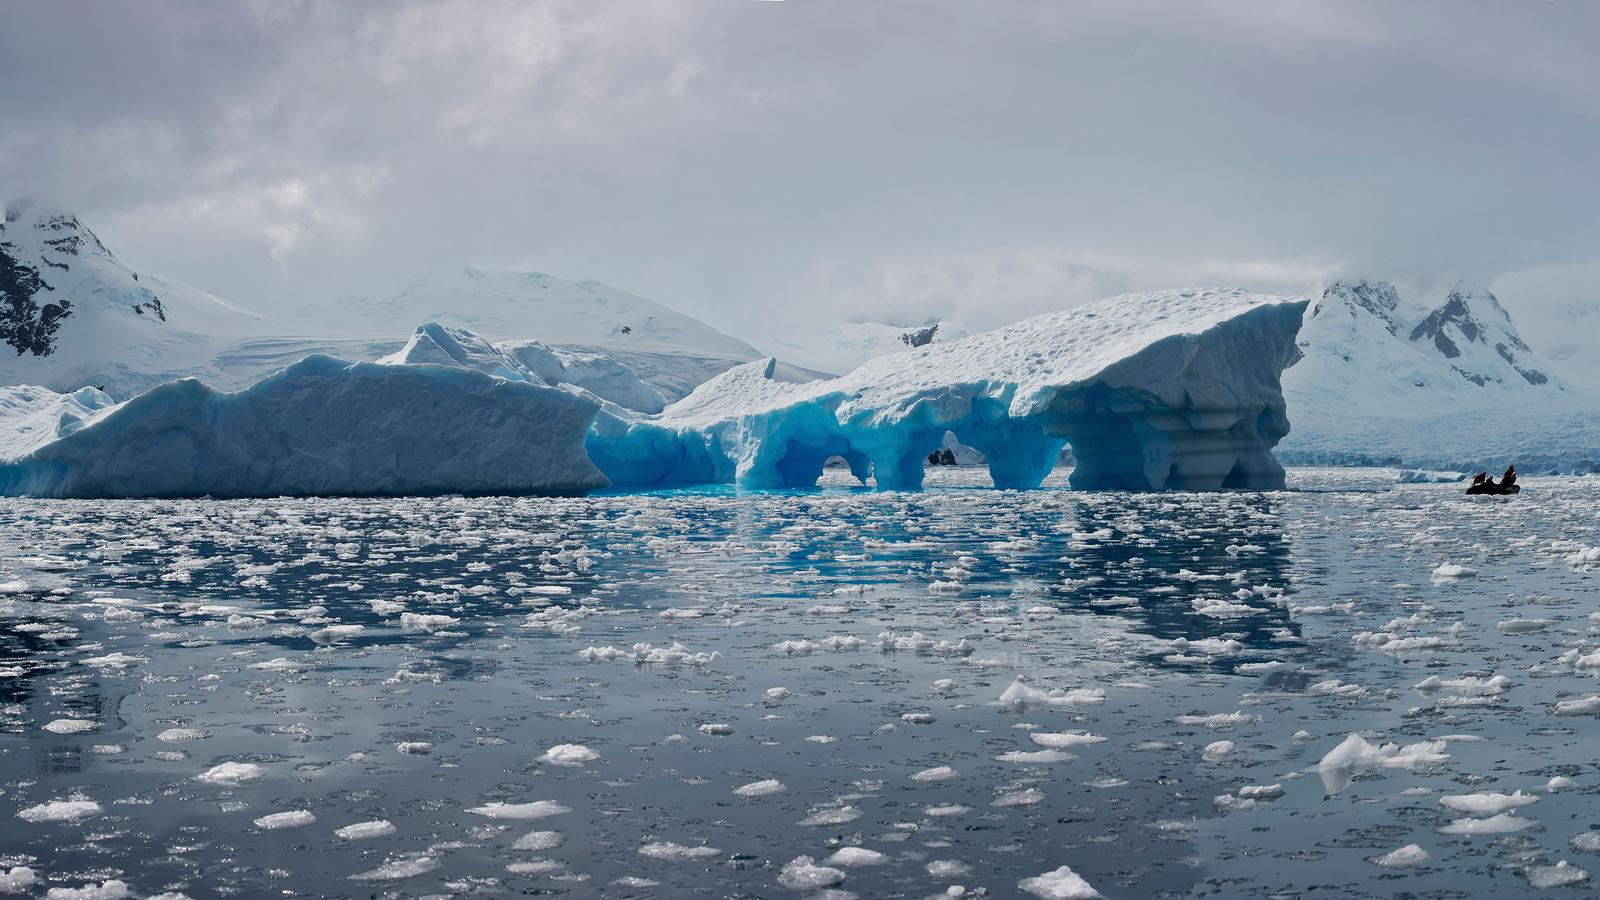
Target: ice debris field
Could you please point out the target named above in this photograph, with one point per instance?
(1175, 390)
(1360, 688)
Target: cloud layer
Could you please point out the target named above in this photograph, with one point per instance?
(773, 165)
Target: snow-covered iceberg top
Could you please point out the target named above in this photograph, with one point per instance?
(1167, 390)
(320, 427)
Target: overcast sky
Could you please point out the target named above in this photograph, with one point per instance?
(773, 165)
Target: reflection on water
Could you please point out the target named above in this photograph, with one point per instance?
(732, 682)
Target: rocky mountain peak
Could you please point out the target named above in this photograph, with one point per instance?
(1360, 298)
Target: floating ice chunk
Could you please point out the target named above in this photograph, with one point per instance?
(1522, 626)
(1453, 570)
(1465, 686)
(361, 831)
(851, 857)
(948, 869)
(1587, 841)
(112, 889)
(1487, 803)
(182, 735)
(603, 654)
(534, 867)
(778, 694)
(677, 852)
(1065, 739)
(1024, 797)
(937, 773)
(917, 642)
(674, 655)
(1561, 783)
(568, 755)
(426, 621)
(803, 874)
(1583, 706)
(764, 788)
(279, 664)
(333, 633)
(536, 841)
(70, 726)
(1558, 875)
(538, 809)
(831, 815)
(946, 810)
(1504, 823)
(1058, 884)
(399, 869)
(1034, 757)
(1355, 754)
(60, 811)
(232, 773)
(716, 729)
(1229, 803)
(1020, 695)
(1261, 791)
(292, 819)
(17, 880)
(117, 660)
(1405, 857)
(1216, 750)
(414, 748)
(1220, 721)
(917, 718)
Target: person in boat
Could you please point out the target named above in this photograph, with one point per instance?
(1479, 478)
(1510, 477)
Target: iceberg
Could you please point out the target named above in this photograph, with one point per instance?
(323, 426)
(1172, 390)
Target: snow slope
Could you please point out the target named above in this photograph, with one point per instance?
(321, 427)
(1173, 389)
(530, 361)
(72, 314)
(843, 348)
(672, 351)
(1451, 386)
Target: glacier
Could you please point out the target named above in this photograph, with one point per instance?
(323, 426)
(1171, 390)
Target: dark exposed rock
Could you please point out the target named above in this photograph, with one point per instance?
(920, 337)
(25, 324)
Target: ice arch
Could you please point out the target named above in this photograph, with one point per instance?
(1167, 390)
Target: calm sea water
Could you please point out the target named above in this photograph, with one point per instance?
(705, 693)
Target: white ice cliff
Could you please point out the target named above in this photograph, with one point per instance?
(1168, 390)
(320, 427)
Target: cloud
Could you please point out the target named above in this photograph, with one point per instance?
(771, 165)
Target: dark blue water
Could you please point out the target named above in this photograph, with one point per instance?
(174, 638)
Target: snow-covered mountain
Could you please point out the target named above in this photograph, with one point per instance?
(72, 314)
(1367, 352)
(671, 350)
(844, 347)
(1454, 385)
